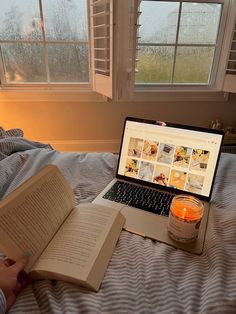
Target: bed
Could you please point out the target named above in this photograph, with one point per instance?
(143, 276)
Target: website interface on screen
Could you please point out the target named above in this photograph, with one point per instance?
(167, 156)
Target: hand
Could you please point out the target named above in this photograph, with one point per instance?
(12, 279)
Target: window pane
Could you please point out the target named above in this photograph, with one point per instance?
(68, 63)
(20, 20)
(199, 23)
(189, 30)
(158, 21)
(24, 62)
(155, 64)
(65, 20)
(193, 65)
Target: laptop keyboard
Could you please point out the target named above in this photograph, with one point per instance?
(140, 197)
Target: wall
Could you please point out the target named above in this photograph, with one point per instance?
(97, 126)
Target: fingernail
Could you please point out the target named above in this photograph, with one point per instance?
(27, 254)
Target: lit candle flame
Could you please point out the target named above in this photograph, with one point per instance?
(184, 212)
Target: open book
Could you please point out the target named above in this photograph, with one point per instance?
(64, 242)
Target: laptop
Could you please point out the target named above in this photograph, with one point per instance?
(157, 161)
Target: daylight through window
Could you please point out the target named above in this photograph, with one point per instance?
(177, 42)
(44, 41)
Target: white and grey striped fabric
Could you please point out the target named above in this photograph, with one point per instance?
(143, 276)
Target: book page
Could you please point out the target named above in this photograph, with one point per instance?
(30, 216)
(75, 247)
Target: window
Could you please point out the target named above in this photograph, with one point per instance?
(44, 41)
(133, 49)
(181, 49)
(177, 42)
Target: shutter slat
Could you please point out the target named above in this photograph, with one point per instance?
(101, 37)
(100, 14)
(100, 26)
(101, 70)
(101, 60)
(231, 66)
(230, 73)
(101, 31)
(98, 3)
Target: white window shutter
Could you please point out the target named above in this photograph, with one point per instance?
(125, 40)
(101, 36)
(230, 76)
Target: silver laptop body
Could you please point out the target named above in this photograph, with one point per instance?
(171, 158)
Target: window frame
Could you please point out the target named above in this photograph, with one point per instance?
(38, 86)
(74, 92)
(211, 92)
(215, 92)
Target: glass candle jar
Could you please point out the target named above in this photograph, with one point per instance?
(184, 218)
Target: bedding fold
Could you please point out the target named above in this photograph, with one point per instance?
(143, 276)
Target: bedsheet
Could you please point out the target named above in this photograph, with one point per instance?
(143, 276)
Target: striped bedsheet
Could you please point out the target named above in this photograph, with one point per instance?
(143, 276)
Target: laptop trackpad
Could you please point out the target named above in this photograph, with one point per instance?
(145, 223)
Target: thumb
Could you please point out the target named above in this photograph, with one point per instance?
(19, 265)
(10, 300)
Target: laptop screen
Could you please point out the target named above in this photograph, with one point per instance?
(173, 157)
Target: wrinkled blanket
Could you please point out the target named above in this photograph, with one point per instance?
(143, 276)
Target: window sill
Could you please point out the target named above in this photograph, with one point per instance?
(67, 94)
(49, 95)
(173, 96)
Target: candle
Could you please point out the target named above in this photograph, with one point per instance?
(184, 218)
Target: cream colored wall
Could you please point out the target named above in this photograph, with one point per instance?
(98, 125)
